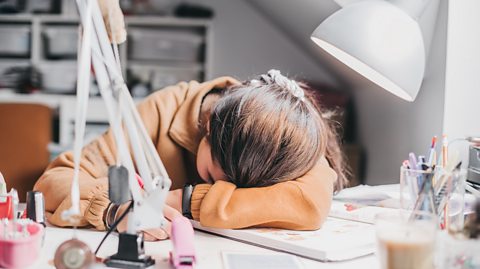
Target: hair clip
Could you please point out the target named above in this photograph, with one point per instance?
(296, 90)
(255, 82)
(274, 76)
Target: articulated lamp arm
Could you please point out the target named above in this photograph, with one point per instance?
(96, 47)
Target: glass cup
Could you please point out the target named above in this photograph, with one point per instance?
(406, 239)
(411, 185)
(455, 252)
(445, 198)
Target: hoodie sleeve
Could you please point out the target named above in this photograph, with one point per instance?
(97, 156)
(300, 204)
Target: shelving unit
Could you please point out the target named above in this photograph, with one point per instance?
(159, 51)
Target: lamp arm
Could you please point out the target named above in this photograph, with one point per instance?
(148, 204)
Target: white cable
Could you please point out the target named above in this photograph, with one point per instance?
(150, 148)
(83, 84)
(138, 151)
(105, 86)
(151, 154)
(117, 58)
(132, 128)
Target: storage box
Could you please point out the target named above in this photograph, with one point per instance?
(160, 77)
(165, 44)
(15, 40)
(59, 77)
(60, 42)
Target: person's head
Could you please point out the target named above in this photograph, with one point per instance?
(266, 131)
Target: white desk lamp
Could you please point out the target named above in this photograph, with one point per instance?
(381, 40)
(147, 212)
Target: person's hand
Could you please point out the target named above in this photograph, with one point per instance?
(163, 233)
(155, 233)
(114, 21)
(174, 199)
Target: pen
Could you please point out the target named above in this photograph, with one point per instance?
(431, 154)
(444, 150)
(14, 194)
(413, 161)
(422, 165)
(444, 164)
(414, 167)
(405, 164)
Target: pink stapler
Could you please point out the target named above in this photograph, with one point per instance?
(183, 254)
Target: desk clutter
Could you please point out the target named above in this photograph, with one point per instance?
(429, 222)
(19, 233)
(438, 188)
(23, 232)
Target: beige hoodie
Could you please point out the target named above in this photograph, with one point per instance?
(171, 119)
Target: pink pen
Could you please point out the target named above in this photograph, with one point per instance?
(183, 254)
(139, 180)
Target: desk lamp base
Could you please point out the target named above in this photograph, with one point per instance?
(73, 254)
(131, 253)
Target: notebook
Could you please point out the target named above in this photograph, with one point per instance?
(357, 212)
(337, 240)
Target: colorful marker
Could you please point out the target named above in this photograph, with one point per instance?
(431, 154)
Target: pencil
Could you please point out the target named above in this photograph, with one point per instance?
(444, 151)
(432, 151)
(444, 164)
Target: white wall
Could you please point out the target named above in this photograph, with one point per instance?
(245, 43)
(462, 86)
(297, 20)
(390, 128)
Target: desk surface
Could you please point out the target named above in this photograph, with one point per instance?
(208, 247)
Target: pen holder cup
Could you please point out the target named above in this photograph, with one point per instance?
(439, 191)
(20, 251)
(457, 253)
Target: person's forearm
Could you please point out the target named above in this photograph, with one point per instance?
(300, 204)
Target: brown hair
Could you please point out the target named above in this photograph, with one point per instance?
(268, 130)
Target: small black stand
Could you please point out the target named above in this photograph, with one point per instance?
(131, 253)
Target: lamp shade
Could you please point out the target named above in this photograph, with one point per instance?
(378, 40)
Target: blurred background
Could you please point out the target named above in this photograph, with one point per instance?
(173, 40)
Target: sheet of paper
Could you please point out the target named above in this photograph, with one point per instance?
(239, 260)
(356, 212)
(337, 240)
(369, 195)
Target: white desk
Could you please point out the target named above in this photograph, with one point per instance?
(208, 247)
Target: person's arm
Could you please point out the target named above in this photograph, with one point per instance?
(301, 204)
(55, 183)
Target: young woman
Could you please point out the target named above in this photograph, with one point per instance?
(261, 149)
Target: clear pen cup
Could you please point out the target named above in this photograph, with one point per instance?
(406, 239)
(445, 198)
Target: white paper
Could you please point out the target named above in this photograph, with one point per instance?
(337, 240)
(239, 260)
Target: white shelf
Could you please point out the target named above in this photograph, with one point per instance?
(166, 21)
(97, 113)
